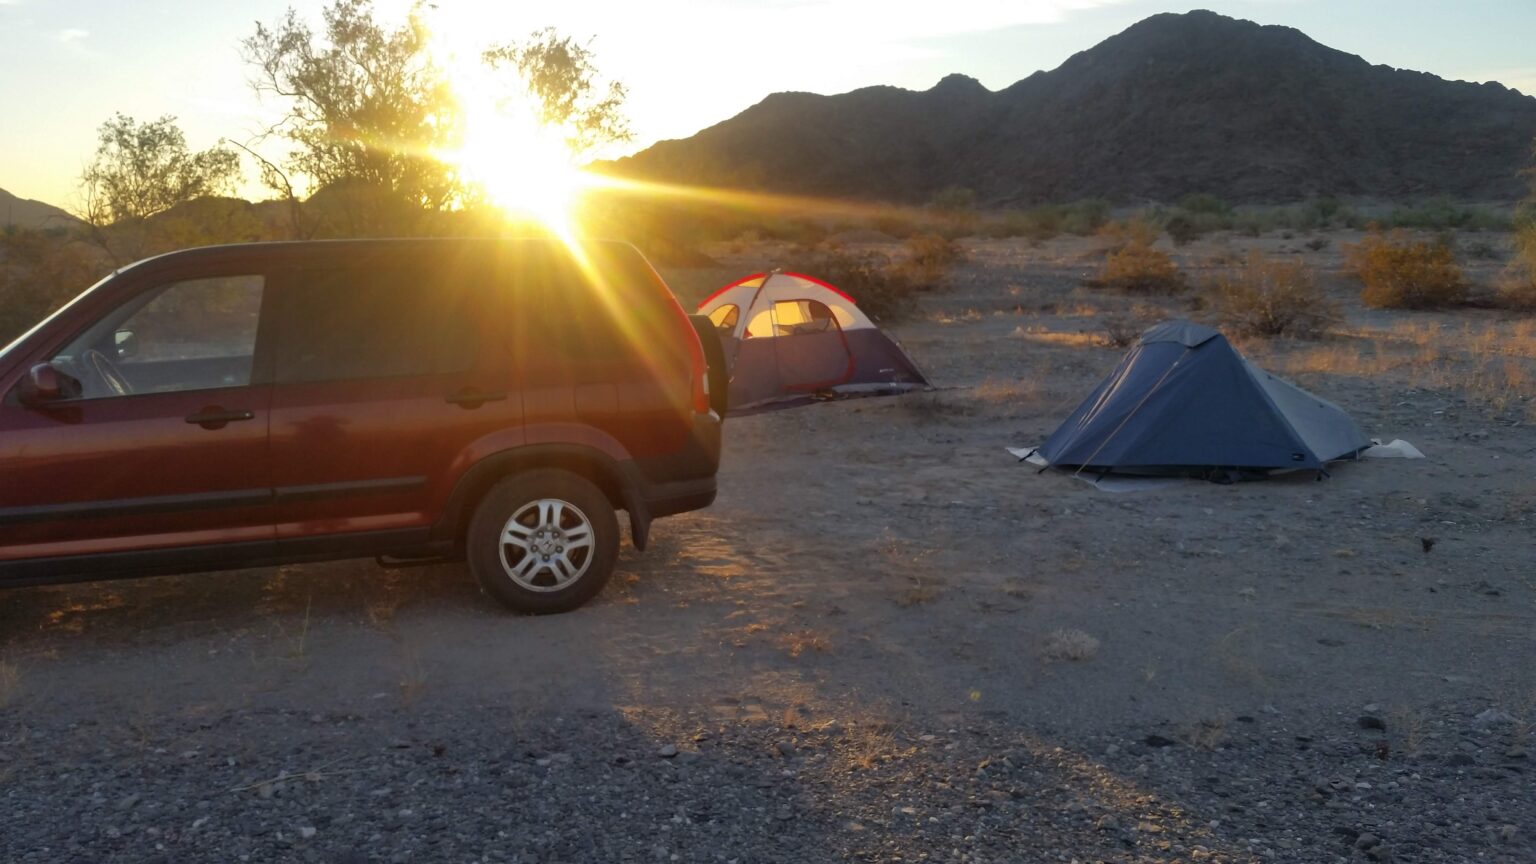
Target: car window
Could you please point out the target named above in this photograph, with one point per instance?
(375, 322)
(194, 334)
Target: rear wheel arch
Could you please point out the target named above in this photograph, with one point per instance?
(585, 462)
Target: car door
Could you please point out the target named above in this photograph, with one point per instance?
(160, 445)
(380, 387)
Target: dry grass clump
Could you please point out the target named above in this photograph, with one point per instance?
(800, 641)
(1266, 297)
(1397, 272)
(1070, 644)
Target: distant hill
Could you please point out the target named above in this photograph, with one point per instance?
(26, 213)
(1175, 104)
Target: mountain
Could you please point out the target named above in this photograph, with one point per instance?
(1177, 103)
(26, 213)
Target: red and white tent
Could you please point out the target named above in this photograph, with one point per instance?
(789, 338)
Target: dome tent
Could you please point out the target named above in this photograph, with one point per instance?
(1184, 401)
(789, 338)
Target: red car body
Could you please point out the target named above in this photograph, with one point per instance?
(295, 451)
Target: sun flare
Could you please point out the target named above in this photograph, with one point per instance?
(522, 166)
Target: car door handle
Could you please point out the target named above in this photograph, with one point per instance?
(474, 397)
(218, 418)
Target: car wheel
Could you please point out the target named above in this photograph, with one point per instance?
(543, 541)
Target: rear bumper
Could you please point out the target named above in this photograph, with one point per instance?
(696, 459)
(669, 499)
(675, 483)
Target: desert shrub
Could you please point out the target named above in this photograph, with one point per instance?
(1264, 297)
(1251, 223)
(1204, 203)
(957, 214)
(1397, 272)
(1122, 328)
(39, 272)
(930, 255)
(1137, 268)
(1181, 229)
(1084, 217)
(883, 290)
(1134, 231)
(1443, 214)
(1043, 223)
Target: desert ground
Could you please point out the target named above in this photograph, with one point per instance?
(887, 640)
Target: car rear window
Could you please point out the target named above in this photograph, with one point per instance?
(376, 321)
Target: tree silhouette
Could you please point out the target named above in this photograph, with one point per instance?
(141, 171)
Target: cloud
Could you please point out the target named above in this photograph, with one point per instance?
(71, 34)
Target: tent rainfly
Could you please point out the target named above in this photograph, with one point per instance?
(1184, 401)
(790, 338)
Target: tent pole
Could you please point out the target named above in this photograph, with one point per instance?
(1127, 419)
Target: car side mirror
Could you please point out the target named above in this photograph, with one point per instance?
(45, 382)
(126, 343)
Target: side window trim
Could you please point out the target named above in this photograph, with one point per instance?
(153, 281)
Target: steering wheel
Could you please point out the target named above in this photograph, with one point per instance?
(103, 367)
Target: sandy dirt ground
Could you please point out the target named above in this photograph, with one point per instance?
(884, 561)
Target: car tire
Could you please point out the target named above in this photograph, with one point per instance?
(543, 541)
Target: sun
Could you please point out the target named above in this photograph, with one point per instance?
(524, 167)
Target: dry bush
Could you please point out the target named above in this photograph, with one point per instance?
(1121, 330)
(931, 255)
(39, 272)
(1084, 217)
(1266, 297)
(1517, 288)
(1182, 229)
(1137, 268)
(1397, 272)
(884, 290)
(1131, 232)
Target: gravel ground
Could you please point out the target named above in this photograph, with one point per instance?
(503, 784)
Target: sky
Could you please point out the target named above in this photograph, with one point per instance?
(66, 66)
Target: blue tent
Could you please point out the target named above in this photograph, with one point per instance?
(1183, 400)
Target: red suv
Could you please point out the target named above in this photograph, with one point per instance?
(240, 406)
